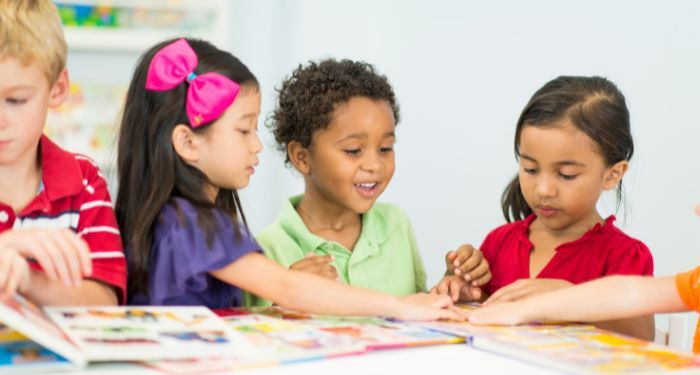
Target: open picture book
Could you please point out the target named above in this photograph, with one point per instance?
(67, 338)
(571, 348)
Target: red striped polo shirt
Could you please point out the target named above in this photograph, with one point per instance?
(75, 196)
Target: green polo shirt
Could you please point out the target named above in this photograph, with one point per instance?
(385, 257)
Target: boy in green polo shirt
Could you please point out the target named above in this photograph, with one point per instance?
(335, 122)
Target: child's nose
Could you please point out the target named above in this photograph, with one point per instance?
(257, 144)
(371, 162)
(545, 187)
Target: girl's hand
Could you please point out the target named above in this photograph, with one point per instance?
(319, 265)
(456, 288)
(60, 252)
(506, 313)
(525, 288)
(14, 272)
(469, 263)
(423, 306)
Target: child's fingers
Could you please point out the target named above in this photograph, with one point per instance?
(472, 262)
(442, 287)
(476, 293)
(312, 262)
(45, 260)
(5, 264)
(479, 275)
(499, 293)
(463, 253)
(455, 287)
(82, 250)
(450, 256)
(513, 295)
(66, 261)
(14, 275)
(71, 256)
(451, 314)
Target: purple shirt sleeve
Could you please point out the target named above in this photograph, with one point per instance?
(182, 257)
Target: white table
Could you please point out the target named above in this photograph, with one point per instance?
(430, 360)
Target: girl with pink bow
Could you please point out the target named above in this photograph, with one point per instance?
(188, 141)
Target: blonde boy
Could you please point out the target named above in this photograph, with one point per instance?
(55, 212)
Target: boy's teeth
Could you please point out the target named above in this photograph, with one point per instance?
(367, 186)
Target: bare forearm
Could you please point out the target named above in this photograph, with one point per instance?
(615, 297)
(331, 297)
(303, 291)
(45, 291)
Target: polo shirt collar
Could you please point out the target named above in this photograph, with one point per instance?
(375, 228)
(60, 176)
(60, 171)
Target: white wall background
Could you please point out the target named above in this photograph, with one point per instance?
(462, 71)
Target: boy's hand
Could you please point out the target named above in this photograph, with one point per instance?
(318, 265)
(469, 263)
(457, 288)
(14, 272)
(60, 252)
(525, 288)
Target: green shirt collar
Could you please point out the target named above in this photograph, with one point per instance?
(375, 228)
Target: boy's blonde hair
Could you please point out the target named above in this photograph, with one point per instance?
(30, 30)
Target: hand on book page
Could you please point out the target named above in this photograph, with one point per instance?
(525, 288)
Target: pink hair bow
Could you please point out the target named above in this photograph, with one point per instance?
(208, 95)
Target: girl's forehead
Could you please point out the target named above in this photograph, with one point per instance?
(557, 142)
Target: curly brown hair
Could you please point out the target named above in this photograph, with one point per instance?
(308, 98)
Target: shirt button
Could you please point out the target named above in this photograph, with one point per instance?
(4, 217)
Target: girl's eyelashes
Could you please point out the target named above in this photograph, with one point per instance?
(386, 149)
(15, 101)
(352, 151)
(529, 170)
(568, 177)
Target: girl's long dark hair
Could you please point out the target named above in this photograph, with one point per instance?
(595, 106)
(151, 173)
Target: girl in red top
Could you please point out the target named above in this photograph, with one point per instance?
(572, 142)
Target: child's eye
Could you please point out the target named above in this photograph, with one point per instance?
(530, 170)
(386, 149)
(568, 177)
(244, 131)
(353, 151)
(15, 101)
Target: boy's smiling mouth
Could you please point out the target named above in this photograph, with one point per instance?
(367, 189)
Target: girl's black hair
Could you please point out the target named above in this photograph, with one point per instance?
(150, 172)
(595, 106)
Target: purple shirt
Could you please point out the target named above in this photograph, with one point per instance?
(181, 259)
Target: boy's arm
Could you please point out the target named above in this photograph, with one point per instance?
(45, 291)
(614, 297)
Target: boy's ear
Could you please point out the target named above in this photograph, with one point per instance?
(185, 144)
(60, 90)
(299, 157)
(614, 174)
